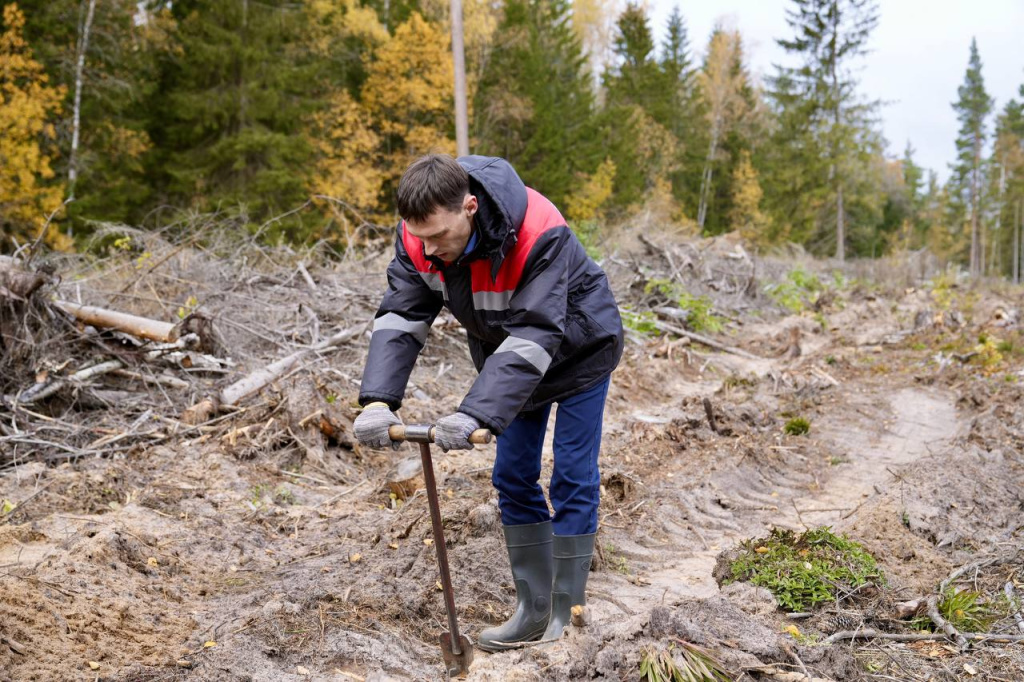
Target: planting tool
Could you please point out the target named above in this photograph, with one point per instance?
(456, 648)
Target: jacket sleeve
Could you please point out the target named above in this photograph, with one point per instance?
(535, 326)
(399, 331)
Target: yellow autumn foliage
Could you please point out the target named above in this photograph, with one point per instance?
(408, 94)
(347, 150)
(745, 214)
(27, 105)
(586, 203)
(331, 22)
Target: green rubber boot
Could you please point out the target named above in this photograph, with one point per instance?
(529, 553)
(572, 554)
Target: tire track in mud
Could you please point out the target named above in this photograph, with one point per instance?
(869, 437)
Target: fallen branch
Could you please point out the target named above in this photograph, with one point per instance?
(699, 338)
(44, 390)
(980, 637)
(256, 381)
(932, 610)
(983, 563)
(161, 379)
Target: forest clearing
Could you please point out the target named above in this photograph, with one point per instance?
(881, 399)
(743, 279)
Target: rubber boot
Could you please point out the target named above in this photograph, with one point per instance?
(529, 553)
(573, 554)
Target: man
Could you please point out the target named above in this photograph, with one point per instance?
(543, 328)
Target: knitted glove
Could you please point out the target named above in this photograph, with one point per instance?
(371, 426)
(452, 432)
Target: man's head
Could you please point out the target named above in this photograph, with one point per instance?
(434, 201)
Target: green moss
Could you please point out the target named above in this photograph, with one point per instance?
(803, 570)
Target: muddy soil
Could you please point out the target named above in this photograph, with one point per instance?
(208, 560)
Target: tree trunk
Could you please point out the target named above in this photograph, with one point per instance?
(83, 45)
(836, 151)
(705, 182)
(977, 255)
(1018, 224)
(840, 226)
(459, 55)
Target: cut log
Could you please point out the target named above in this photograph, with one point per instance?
(142, 327)
(407, 479)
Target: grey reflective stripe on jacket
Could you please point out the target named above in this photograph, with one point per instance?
(400, 329)
(527, 350)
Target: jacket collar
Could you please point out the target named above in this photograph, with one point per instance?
(502, 200)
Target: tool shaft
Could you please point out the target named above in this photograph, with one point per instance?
(439, 544)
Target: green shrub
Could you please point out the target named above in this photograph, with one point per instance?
(700, 317)
(803, 570)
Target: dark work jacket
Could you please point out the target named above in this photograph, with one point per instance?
(541, 319)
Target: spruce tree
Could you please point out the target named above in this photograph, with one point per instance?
(535, 105)
(1007, 189)
(972, 109)
(913, 184)
(232, 105)
(679, 110)
(635, 91)
(820, 100)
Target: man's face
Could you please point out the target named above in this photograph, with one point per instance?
(445, 233)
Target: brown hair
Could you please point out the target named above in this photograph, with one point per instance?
(431, 182)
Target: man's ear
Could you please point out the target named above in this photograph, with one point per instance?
(470, 205)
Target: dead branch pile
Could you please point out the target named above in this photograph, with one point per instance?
(111, 352)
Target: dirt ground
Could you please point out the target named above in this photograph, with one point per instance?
(224, 555)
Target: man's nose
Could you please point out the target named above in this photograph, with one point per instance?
(429, 248)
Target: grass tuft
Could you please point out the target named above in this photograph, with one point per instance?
(696, 665)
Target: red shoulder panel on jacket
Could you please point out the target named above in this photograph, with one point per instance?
(541, 216)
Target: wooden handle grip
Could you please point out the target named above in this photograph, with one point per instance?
(403, 432)
(481, 436)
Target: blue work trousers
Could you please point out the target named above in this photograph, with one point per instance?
(575, 483)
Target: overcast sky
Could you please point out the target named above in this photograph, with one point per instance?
(920, 52)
